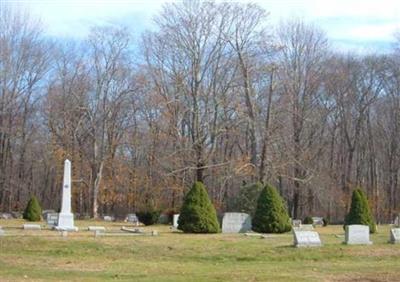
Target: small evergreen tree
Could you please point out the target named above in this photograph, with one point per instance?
(197, 213)
(308, 220)
(271, 215)
(359, 211)
(246, 201)
(33, 211)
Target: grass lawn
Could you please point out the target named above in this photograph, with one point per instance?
(172, 256)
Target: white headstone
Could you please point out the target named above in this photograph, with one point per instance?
(395, 235)
(97, 228)
(52, 219)
(2, 233)
(236, 222)
(32, 227)
(306, 239)
(357, 235)
(66, 218)
(175, 221)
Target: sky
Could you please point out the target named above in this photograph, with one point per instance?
(366, 25)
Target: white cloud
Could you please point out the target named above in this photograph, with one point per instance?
(343, 20)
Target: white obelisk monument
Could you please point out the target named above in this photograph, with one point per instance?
(65, 217)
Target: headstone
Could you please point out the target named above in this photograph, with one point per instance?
(52, 219)
(154, 233)
(175, 220)
(296, 222)
(66, 218)
(163, 219)
(236, 222)
(32, 227)
(108, 218)
(306, 239)
(2, 233)
(45, 213)
(97, 228)
(131, 217)
(357, 235)
(395, 235)
(318, 220)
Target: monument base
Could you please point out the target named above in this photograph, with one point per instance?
(66, 222)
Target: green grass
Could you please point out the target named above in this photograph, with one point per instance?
(44, 255)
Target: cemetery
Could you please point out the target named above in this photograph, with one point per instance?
(239, 246)
(199, 140)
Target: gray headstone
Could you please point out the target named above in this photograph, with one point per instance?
(318, 220)
(32, 227)
(236, 222)
(97, 228)
(52, 219)
(45, 213)
(395, 235)
(296, 222)
(357, 235)
(306, 239)
(132, 218)
(175, 221)
(163, 219)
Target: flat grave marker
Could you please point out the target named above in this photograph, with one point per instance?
(306, 239)
(32, 227)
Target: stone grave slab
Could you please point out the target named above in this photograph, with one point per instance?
(132, 218)
(52, 219)
(97, 228)
(395, 235)
(236, 222)
(108, 218)
(306, 239)
(318, 220)
(357, 235)
(32, 227)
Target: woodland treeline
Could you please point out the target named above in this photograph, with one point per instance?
(215, 93)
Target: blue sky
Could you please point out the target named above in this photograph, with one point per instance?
(350, 24)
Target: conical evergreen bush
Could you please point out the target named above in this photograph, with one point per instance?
(360, 212)
(33, 211)
(271, 215)
(197, 213)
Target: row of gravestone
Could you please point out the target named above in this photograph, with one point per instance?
(304, 234)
